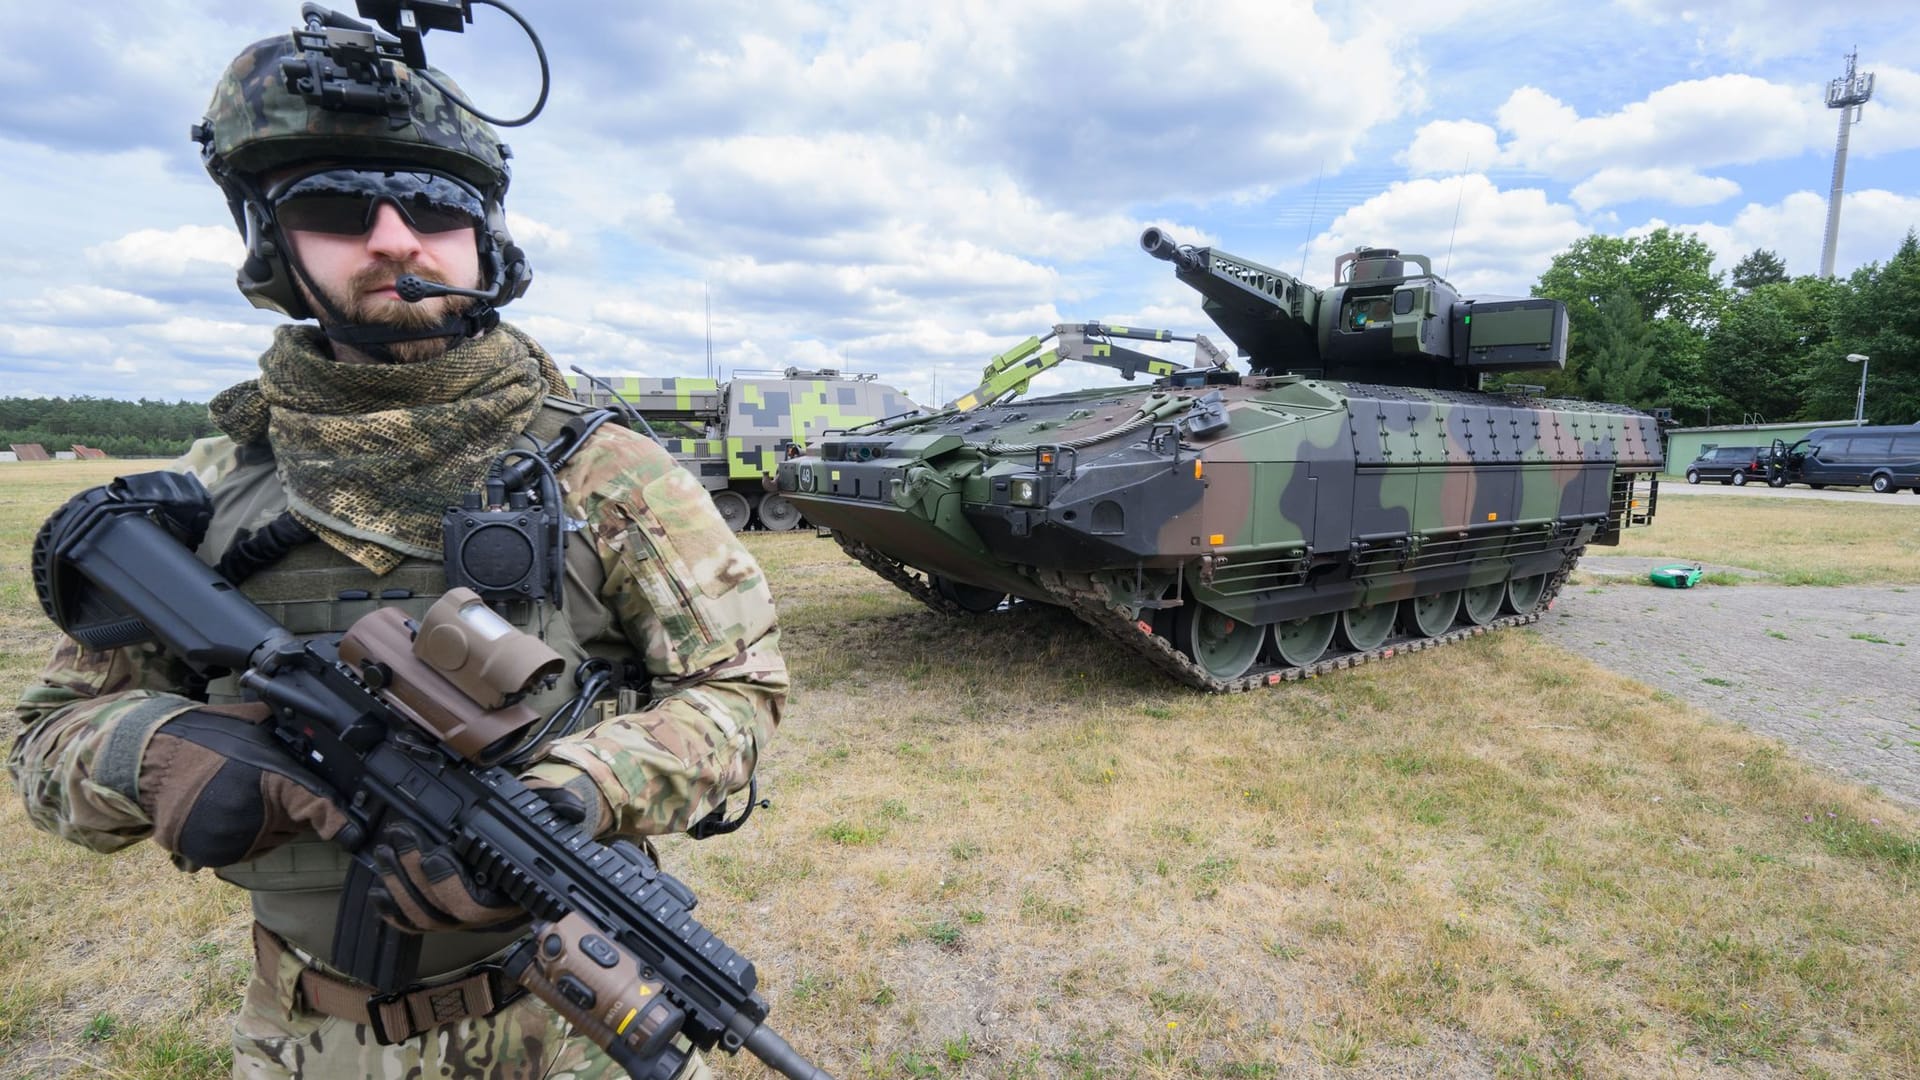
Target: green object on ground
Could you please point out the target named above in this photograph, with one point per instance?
(1676, 575)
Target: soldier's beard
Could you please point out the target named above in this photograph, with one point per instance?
(361, 305)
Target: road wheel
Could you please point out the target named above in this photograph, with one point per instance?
(1693, 476)
(1523, 594)
(777, 514)
(1299, 642)
(733, 508)
(1883, 483)
(1364, 628)
(1482, 602)
(1739, 479)
(1223, 646)
(1431, 616)
(974, 599)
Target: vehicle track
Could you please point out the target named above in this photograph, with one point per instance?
(1091, 606)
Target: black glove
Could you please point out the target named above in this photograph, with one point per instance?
(221, 789)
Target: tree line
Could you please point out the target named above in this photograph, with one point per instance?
(122, 428)
(1653, 326)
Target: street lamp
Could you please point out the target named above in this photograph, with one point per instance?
(1860, 402)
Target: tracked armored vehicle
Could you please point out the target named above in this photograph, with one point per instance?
(731, 435)
(1356, 494)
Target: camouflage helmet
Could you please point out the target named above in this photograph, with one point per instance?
(255, 126)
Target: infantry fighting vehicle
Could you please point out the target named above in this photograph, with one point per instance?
(1354, 495)
(731, 435)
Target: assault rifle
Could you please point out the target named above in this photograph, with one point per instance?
(374, 713)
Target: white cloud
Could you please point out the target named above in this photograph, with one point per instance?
(186, 251)
(1700, 123)
(1503, 240)
(1450, 146)
(1681, 187)
(537, 238)
(1890, 122)
(1872, 224)
(84, 305)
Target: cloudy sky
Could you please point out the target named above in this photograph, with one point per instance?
(907, 189)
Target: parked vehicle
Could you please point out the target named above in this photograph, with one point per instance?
(1729, 464)
(732, 435)
(1882, 458)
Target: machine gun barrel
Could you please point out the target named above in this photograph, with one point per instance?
(1161, 246)
(613, 947)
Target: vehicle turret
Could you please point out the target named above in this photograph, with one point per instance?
(1388, 318)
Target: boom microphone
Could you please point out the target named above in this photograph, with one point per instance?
(413, 289)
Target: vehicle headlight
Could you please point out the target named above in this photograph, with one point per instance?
(1023, 491)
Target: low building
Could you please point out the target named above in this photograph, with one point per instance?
(1688, 443)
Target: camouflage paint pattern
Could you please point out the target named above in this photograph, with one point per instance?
(746, 426)
(259, 125)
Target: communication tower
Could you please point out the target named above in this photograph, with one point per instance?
(1849, 94)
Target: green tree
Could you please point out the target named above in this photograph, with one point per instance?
(1876, 314)
(1622, 358)
(1760, 267)
(1760, 355)
(1669, 277)
(121, 428)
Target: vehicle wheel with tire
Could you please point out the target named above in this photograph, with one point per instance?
(1523, 594)
(777, 514)
(1739, 479)
(1693, 476)
(1299, 642)
(1430, 616)
(1776, 481)
(1364, 628)
(1818, 487)
(1882, 483)
(1481, 603)
(1223, 646)
(734, 509)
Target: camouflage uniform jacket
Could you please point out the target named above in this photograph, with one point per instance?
(687, 598)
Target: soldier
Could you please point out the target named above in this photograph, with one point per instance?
(329, 484)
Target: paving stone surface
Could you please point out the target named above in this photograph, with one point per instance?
(1834, 673)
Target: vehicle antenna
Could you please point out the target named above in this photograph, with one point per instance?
(1312, 212)
(1457, 197)
(707, 297)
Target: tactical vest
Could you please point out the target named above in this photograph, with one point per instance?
(296, 889)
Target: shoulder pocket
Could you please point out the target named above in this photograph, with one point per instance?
(678, 551)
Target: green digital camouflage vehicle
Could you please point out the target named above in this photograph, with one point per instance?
(733, 434)
(1355, 495)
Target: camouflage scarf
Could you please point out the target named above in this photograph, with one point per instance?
(373, 454)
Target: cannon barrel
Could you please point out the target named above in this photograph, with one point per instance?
(1161, 246)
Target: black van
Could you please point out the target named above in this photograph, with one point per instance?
(1729, 464)
(1883, 458)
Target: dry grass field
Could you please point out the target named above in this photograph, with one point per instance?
(997, 850)
(1793, 541)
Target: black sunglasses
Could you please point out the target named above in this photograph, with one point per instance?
(343, 201)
